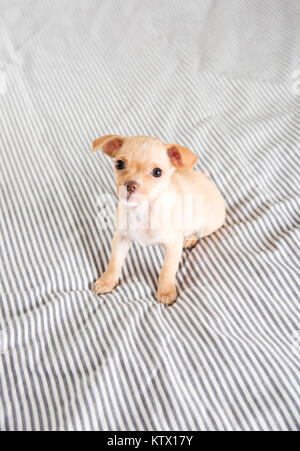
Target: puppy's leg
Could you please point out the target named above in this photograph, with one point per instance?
(110, 278)
(167, 292)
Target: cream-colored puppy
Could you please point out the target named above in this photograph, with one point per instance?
(162, 200)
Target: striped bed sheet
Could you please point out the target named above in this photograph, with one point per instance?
(222, 78)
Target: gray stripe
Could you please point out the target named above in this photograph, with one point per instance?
(217, 79)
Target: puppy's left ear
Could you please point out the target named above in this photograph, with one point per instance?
(181, 157)
(110, 144)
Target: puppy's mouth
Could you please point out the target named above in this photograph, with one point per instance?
(133, 198)
(129, 194)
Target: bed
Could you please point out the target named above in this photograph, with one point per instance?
(222, 78)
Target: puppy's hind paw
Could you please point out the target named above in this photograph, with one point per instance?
(167, 295)
(104, 284)
(190, 241)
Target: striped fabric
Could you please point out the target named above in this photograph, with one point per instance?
(222, 78)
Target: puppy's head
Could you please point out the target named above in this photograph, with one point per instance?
(143, 165)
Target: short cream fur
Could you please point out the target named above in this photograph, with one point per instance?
(173, 209)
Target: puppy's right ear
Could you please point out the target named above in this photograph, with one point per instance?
(110, 144)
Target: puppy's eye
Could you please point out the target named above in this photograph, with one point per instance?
(120, 165)
(156, 172)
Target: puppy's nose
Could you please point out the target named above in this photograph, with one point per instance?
(131, 186)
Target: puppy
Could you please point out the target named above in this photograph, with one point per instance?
(162, 200)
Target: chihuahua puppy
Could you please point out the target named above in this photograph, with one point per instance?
(162, 200)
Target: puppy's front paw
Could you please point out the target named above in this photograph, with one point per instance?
(166, 294)
(105, 284)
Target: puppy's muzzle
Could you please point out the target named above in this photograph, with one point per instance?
(131, 186)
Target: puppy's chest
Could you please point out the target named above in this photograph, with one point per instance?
(138, 226)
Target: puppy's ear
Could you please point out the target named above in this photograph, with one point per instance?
(110, 144)
(180, 156)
